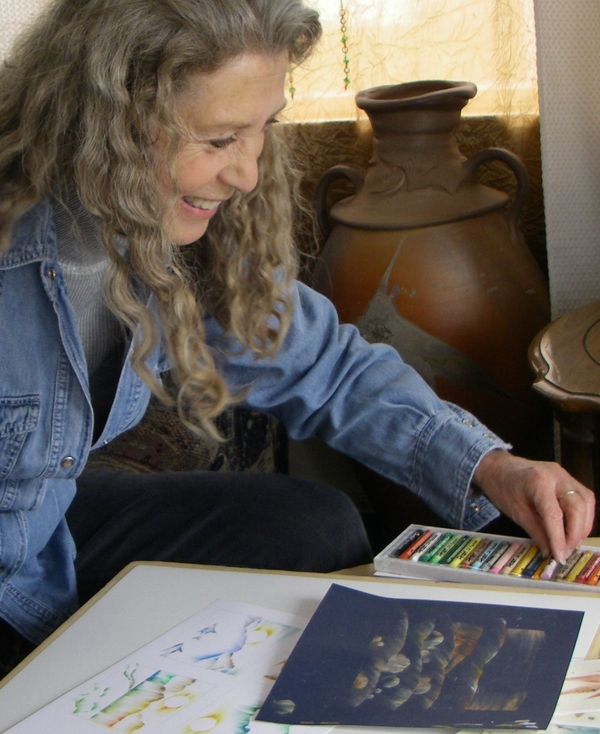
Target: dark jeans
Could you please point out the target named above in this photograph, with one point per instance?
(249, 520)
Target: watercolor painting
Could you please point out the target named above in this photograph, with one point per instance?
(581, 690)
(373, 661)
(232, 644)
(231, 715)
(588, 720)
(143, 705)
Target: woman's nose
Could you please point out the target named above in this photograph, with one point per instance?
(242, 172)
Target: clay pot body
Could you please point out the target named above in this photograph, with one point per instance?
(430, 261)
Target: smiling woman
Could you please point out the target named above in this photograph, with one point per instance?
(146, 225)
(223, 116)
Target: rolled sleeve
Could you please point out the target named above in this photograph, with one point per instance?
(364, 401)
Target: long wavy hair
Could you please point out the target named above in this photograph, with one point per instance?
(81, 98)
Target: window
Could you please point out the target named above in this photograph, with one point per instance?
(488, 42)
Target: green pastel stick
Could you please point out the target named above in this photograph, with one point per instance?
(451, 545)
(447, 560)
(442, 540)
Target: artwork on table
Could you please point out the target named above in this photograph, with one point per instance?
(374, 661)
(579, 703)
(209, 674)
(366, 660)
(143, 704)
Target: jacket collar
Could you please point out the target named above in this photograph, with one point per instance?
(34, 238)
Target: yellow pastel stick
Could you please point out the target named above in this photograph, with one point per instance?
(465, 552)
(522, 551)
(527, 558)
(566, 568)
(579, 566)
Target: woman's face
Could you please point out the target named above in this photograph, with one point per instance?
(226, 114)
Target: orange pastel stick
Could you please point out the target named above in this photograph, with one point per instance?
(593, 579)
(416, 545)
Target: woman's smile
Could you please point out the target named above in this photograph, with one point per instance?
(224, 116)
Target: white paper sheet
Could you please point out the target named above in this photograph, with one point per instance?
(208, 674)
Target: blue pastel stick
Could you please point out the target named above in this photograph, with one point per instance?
(488, 553)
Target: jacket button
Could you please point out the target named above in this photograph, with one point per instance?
(67, 462)
(52, 273)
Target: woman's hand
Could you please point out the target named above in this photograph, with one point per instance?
(554, 508)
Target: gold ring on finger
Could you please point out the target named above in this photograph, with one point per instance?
(566, 494)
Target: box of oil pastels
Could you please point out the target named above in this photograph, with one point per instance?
(440, 554)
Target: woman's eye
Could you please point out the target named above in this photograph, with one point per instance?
(221, 142)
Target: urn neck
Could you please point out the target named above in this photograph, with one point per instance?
(417, 175)
(415, 119)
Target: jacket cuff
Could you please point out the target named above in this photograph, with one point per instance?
(447, 453)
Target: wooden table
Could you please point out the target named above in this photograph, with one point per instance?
(146, 599)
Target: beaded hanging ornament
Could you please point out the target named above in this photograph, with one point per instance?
(344, 28)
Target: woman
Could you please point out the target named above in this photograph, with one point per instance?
(138, 150)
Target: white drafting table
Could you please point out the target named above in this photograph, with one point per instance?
(147, 599)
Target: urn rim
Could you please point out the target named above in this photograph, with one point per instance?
(411, 95)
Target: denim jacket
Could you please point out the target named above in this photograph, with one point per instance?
(326, 382)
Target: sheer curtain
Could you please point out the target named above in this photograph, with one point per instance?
(488, 42)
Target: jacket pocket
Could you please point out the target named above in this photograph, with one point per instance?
(18, 417)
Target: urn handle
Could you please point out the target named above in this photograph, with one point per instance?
(352, 173)
(517, 167)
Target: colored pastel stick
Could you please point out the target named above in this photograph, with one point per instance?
(495, 555)
(534, 565)
(505, 557)
(415, 535)
(486, 555)
(444, 552)
(465, 552)
(551, 568)
(445, 538)
(590, 569)
(464, 541)
(477, 553)
(594, 576)
(540, 570)
(431, 541)
(516, 559)
(566, 568)
(526, 559)
(414, 547)
(580, 566)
